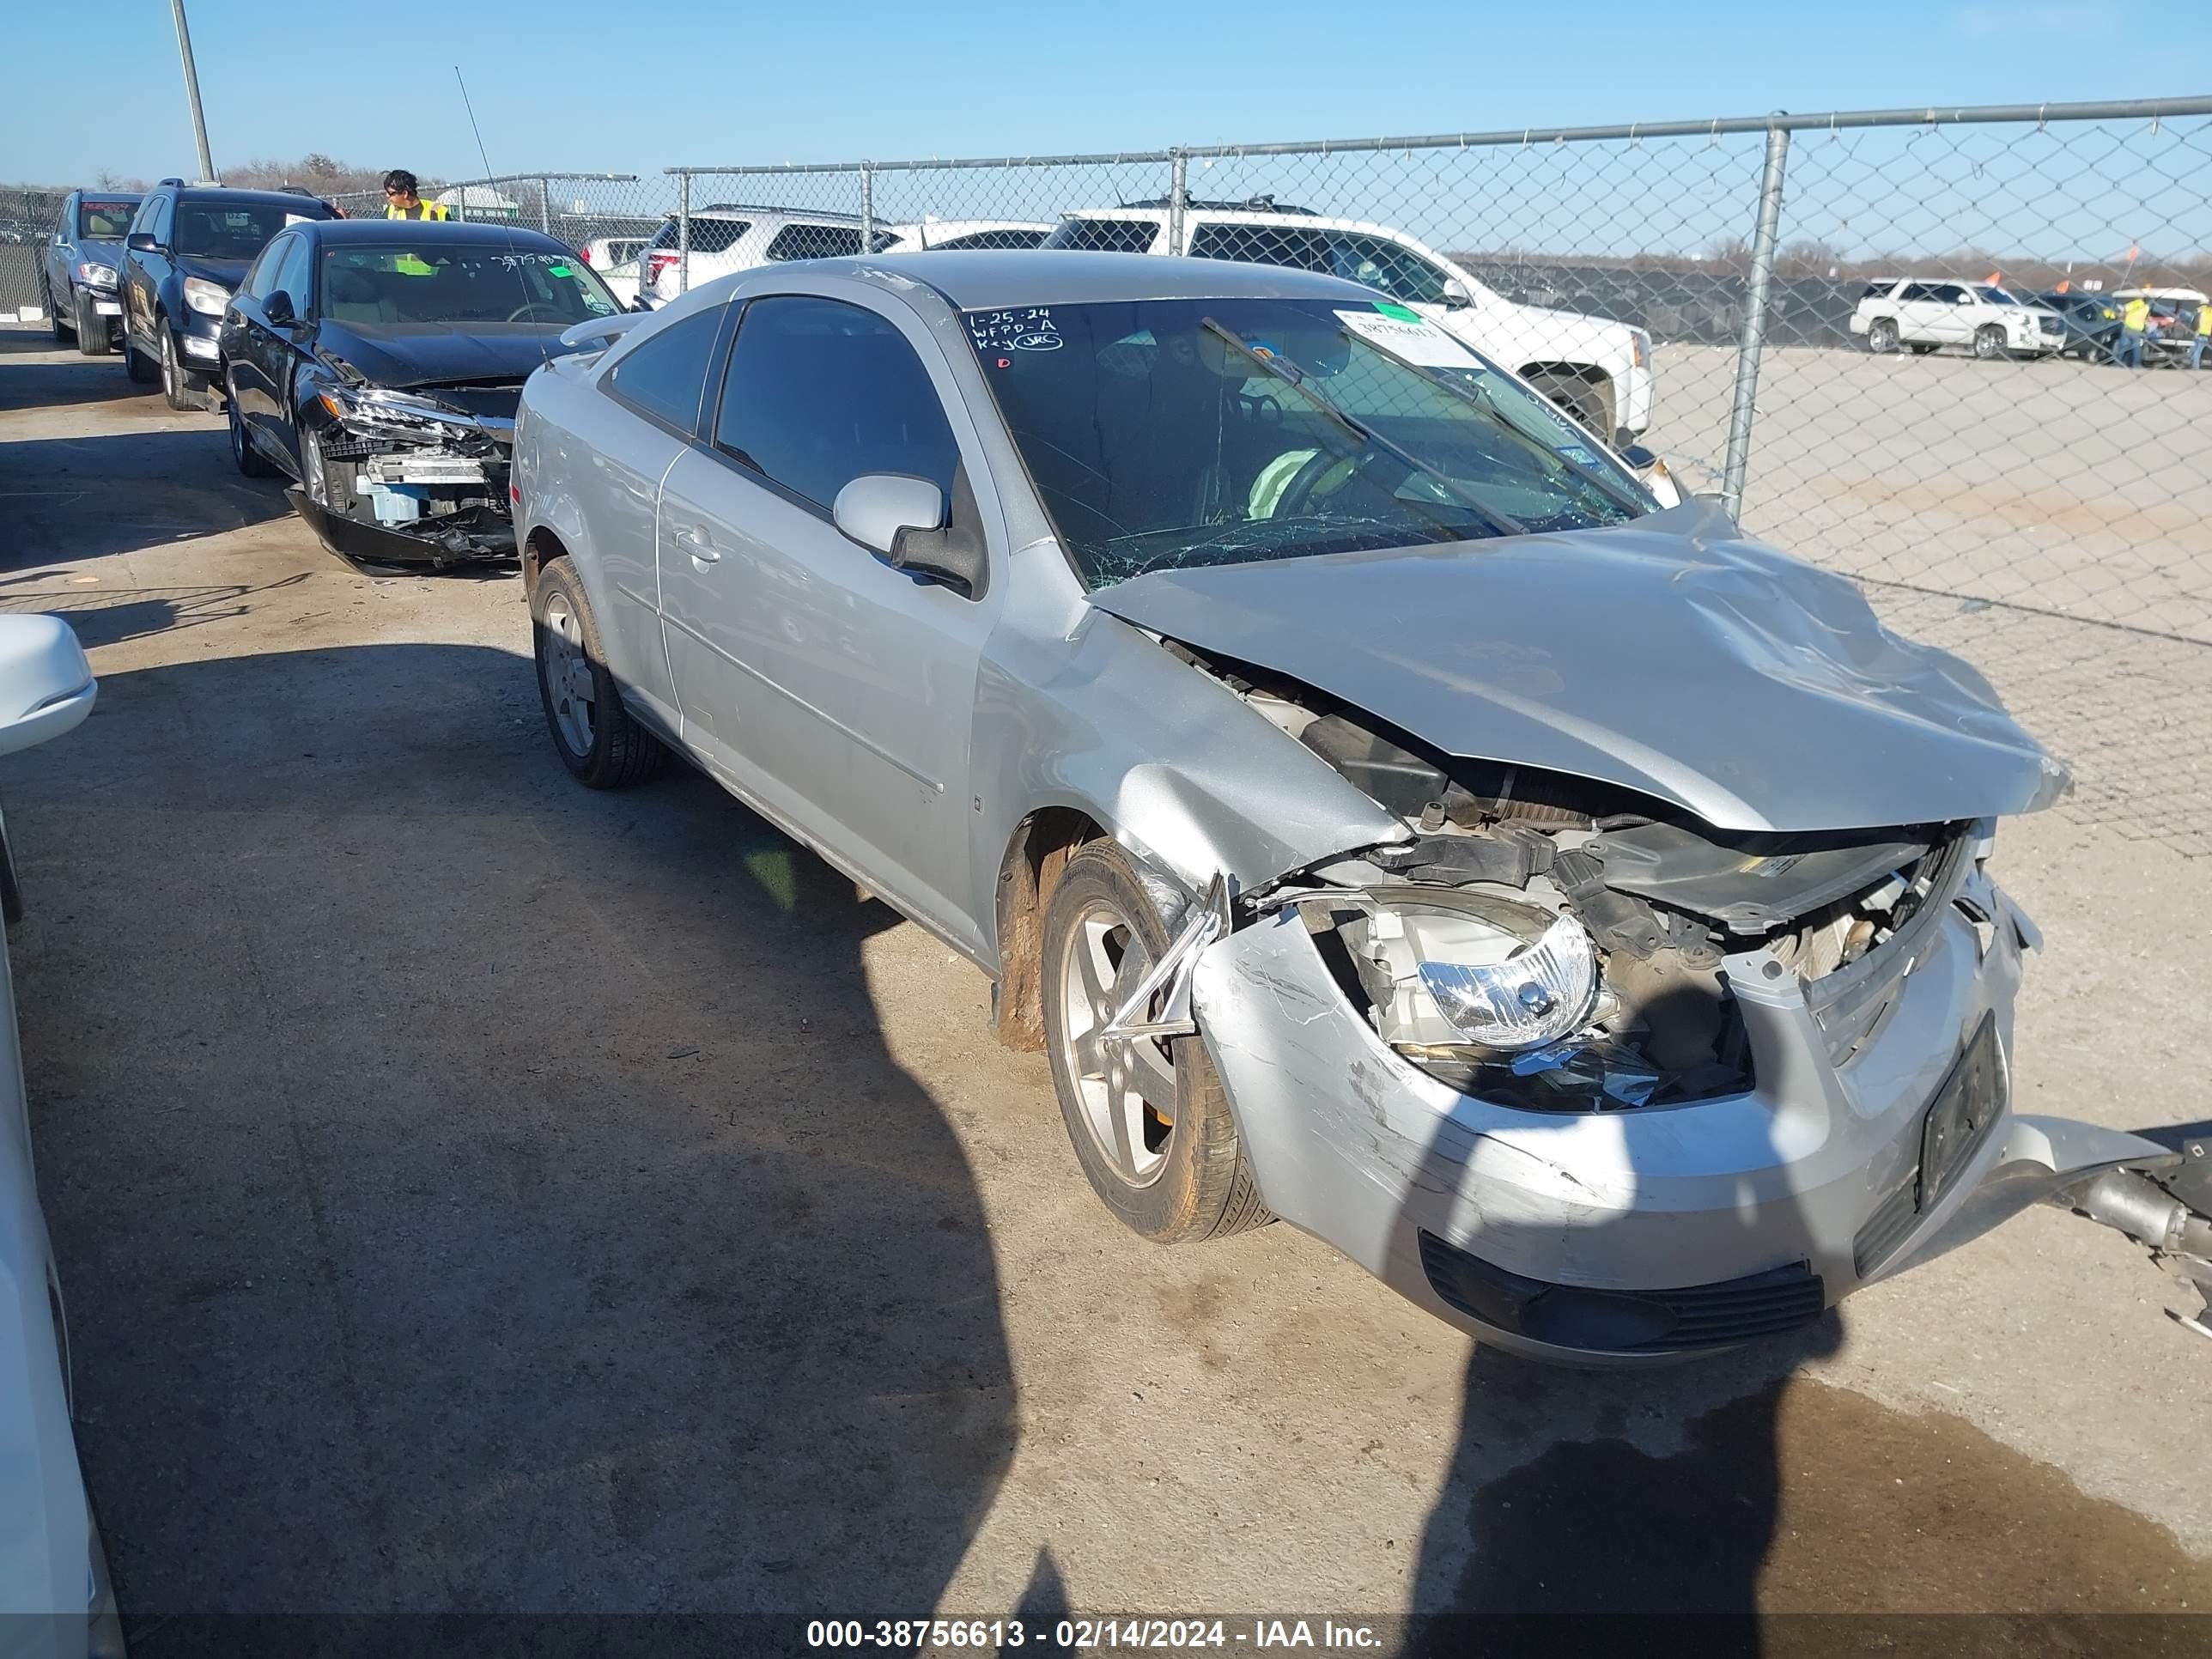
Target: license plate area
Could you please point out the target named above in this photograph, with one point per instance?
(107, 307)
(423, 470)
(1965, 1111)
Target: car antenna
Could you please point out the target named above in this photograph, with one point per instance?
(513, 254)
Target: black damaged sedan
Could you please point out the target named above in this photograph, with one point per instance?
(377, 364)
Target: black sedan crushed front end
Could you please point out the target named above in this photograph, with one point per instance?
(417, 476)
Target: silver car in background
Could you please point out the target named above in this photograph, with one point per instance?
(1385, 816)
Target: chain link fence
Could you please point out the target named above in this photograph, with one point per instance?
(1890, 339)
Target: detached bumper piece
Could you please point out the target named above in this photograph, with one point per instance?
(1680, 1320)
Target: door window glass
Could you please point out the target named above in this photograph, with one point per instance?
(820, 392)
(814, 242)
(262, 280)
(1262, 245)
(1397, 272)
(664, 376)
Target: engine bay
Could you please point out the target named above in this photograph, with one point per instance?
(1451, 945)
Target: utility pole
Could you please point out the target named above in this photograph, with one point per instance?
(192, 90)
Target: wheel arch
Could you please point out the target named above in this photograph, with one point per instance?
(1036, 855)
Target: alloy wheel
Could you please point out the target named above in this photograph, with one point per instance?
(1126, 1088)
(568, 683)
(238, 440)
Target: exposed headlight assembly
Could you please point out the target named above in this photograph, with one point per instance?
(375, 412)
(96, 276)
(1450, 968)
(209, 299)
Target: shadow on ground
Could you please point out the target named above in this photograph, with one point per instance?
(64, 380)
(473, 1192)
(121, 492)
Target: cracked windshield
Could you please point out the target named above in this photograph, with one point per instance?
(1175, 433)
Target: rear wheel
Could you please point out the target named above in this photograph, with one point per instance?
(1989, 340)
(1882, 334)
(594, 735)
(91, 327)
(1148, 1118)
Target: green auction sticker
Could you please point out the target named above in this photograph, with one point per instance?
(1401, 314)
(560, 270)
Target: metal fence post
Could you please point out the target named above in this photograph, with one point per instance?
(1744, 408)
(683, 233)
(1178, 179)
(867, 208)
(545, 205)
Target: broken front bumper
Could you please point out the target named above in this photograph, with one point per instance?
(1629, 1236)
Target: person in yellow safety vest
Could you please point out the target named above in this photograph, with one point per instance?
(400, 201)
(2203, 342)
(2135, 322)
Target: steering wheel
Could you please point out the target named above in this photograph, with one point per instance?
(521, 313)
(1296, 500)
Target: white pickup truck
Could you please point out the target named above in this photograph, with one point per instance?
(1598, 370)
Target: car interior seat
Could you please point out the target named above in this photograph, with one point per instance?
(354, 296)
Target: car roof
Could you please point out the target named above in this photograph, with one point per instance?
(721, 209)
(423, 231)
(1025, 276)
(285, 199)
(89, 195)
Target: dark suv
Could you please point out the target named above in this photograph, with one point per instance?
(82, 280)
(187, 251)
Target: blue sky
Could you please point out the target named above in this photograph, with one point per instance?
(640, 86)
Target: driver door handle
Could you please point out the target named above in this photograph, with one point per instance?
(692, 540)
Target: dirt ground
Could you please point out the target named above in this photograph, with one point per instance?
(474, 1192)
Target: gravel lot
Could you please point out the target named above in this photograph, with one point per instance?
(473, 1193)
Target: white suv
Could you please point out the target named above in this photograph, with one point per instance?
(727, 238)
(1926, 313)
(1598, 370)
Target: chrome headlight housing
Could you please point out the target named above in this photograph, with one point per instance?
(1452, 968)
(209, 299)
(95, 275)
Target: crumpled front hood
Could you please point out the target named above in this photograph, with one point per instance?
(428, 354)
(1668, 656)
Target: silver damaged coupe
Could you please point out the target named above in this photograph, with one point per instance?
(1383, 812)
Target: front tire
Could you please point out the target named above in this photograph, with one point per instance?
(249, 460)
(1148, 1118)
(91, 327)
(595, 736)
(1590, 403)
(54, 316)
(176, 389)
(1989, 342)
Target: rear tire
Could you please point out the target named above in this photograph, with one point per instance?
(1881, 336)
(1173, 1175)
(91, 327)
(594, 735)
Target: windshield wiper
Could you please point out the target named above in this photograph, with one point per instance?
(1478, 399)
(1282, 369)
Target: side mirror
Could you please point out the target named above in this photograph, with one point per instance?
(141, 241)
(47, 686)
(903, 518)
(277, 309)
(1456, 296)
